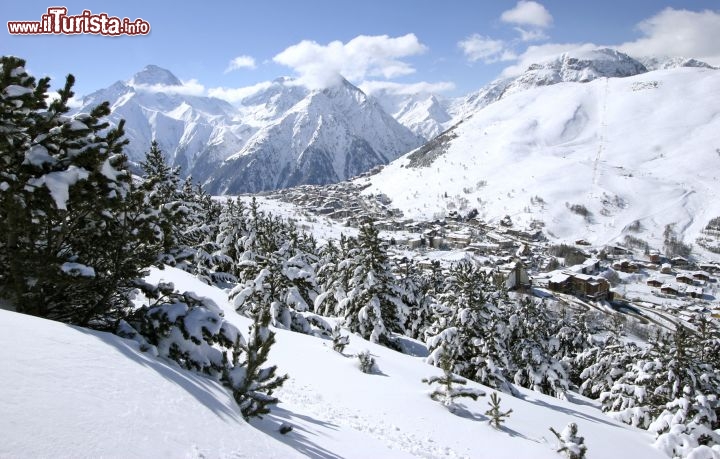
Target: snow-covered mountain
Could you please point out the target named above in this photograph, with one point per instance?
(330, 135)
(578, 66)
(271, 101)
(426, 117)
(588, 160)
(195, 132)
(661, 63)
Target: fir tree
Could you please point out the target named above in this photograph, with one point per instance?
(339, 340)
(161, 186)
(76, 232)
(448, 385)
(415, 288)
(367, 361)
(533, 350)
(571, 444)
(468, 324)
(373, 307)
(252, 384)
(497, 416)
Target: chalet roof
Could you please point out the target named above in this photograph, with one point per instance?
(673, 287)
(559, 278)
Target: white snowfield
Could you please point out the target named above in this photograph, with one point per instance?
(644, 147)
(70, 392)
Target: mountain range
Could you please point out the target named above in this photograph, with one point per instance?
(599, 128)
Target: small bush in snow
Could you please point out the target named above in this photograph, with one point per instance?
(367, 361)
(571, 444)
(448, 390)
(497, 416)
(339, 340)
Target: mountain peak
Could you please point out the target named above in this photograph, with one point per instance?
(586, 65)
(154, 75)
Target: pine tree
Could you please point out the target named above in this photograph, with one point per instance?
(600, 367)
(185, 329)
(276, 271)
(497, 416)
(252, 384)
(76, 231)
(339, 340)
(161, 186)
(468, 323)
(333, 276)
(415, 288)
(373, 307)
(571, 444)
(448, 389)
(534, 349)
(367, 361)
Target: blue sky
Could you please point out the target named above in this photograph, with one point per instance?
(452, 47)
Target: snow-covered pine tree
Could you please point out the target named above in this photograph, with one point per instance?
(196, 231)
(221, 264)
(276, 271)
(333, 276)
(574, 337)
(252, 384)
(186, 329)
(571, 444)
(161, 184)
(415, 288)
(496, 415)
(604, 364)
(450, 385)
(533, 350)
(373, 307)
(667, 376)
(367, 361)
(468, 324)
(339, 340)
(75, 230)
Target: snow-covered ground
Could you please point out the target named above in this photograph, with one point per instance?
(69, 392)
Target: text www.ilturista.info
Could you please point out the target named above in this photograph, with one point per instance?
(57, 22)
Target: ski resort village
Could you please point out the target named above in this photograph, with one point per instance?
(378, 230)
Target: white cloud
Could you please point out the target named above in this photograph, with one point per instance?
(423, 87)
(528, 13)
(188, 88)
(477, 47)
(679, 33)
(234, 95)
(320, 66)
(241, 62)
(540, 53)
(531, 34)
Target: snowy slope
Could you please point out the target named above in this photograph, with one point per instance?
(330, 135)
(195, 132)
(638, 148)
(92, 394)
(68, 392)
